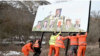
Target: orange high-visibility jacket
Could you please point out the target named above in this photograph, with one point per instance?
(27, 47)
(73, 40)
(59, 42)
(36, 44)
(82, 39)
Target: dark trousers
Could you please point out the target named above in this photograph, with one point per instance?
(73, 49)
(37, 51)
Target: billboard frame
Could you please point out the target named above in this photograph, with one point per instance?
(71, 32)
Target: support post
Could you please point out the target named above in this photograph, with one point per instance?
(42, 37)
(67, 47)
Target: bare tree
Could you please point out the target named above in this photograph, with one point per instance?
(44, 2)
(95, 14)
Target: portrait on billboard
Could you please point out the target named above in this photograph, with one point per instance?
(45, 24)
(58, 13)
(59, 23)
(52, 22)
(68, 23)
(39, 25)
(77, 23)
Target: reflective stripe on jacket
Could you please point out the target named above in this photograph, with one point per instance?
(82, 43)
(59, 42)
(73, 40)
(36, 44)
(82, 39)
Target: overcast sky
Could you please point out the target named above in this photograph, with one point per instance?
(95, 5)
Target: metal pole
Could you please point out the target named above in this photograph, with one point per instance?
(67, 47)
(89, 16)
(42, 37)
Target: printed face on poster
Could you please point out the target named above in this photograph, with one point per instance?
(66, 17)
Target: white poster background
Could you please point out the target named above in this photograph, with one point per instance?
(72, 9)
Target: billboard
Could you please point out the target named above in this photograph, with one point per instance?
(66, 17)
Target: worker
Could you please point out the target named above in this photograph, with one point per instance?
(37, 47)
(73, 44)
(52, 43)
(82, 43)
(59, 44)
(27, 47)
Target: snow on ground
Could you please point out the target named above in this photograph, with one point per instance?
(36, 4)
(17, 5)
(43, 42)
(14, 4)
(10, 53)
(21, 1)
